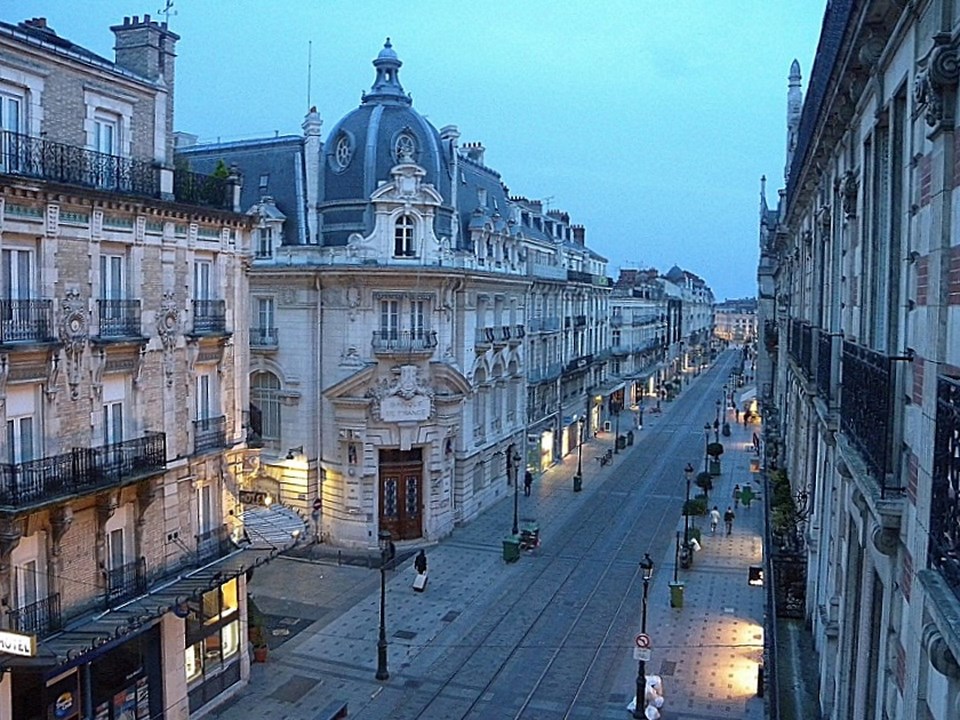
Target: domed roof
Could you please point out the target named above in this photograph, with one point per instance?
(362, 148)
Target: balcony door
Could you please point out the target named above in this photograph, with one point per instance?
(11, 125)
(401, 493)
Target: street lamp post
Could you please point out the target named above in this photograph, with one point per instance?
(578, 480)
(646, 566)
(717, 421)
(706, 442)
(514, 471)
(383, 539)
(688, 474)
(616, 432)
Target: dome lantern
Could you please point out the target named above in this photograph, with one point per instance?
(386, 86)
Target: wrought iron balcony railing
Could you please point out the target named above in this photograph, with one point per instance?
(209, 317)
(206, 190)
(41, 618)
(213, 544)
(865, 406)
(824, 363)
(505, 332)
(119, 318)
(405, 341)
(519, 332)
(580, 321)
(806, 349)
(209, 434)
(125, 582)
(794, 341)
(54, 478)
(484, 336)
(945, 500)
(26, 321)
(264, 337)
(71, 165)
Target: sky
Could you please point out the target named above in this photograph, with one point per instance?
(649, 122)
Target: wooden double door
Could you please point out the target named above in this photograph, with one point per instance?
(401, 493)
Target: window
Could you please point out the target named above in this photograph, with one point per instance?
(405, 149)
(113, 422)
(105, 133)
(264, 321)
(20, 439)
(11, 121)
(417, 319)
(28, 560)
(17, 274)
(116, 552)
(204, 509)
(111, 277)
(265, 242)
(201, 279)
(390, 319)
(265, 395)
(403, 237)
(264, 181)
(344, 151)
(212, 631)
(204, 396)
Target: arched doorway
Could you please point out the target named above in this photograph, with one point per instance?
(401, 493)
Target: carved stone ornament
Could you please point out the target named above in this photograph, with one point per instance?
(934, 88)
(168, 328)
(850, 187)
(61, 518)
(73, 334)
(404, 398)
(353, 298)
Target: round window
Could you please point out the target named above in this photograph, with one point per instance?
(343, 152)
(405, 148)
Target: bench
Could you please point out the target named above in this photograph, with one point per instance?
(333, 710)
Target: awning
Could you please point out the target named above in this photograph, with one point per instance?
(272, 526)
(608, 390)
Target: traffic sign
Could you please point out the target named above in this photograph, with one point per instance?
(641, 654)
(317, 504)
(643, 640)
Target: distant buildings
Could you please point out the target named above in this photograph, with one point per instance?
(859, 367)
(736, 320)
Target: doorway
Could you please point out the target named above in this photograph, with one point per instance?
(401, 493)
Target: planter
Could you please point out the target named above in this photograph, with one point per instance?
(260, 654)
(714, 467)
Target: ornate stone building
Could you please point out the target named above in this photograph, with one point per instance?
(397, 292)
(122, 389)
(860, 364)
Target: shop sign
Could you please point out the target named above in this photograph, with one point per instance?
(253, 497)
(16, 644)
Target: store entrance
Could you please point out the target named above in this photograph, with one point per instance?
(401, 493)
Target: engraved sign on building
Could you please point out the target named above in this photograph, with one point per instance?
(404, 399)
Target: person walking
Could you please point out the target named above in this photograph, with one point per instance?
(420, 562)
(714, 520)
(728, 517)
(527, 482)
(736, 496)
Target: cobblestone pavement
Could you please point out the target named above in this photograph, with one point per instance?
(322, 608)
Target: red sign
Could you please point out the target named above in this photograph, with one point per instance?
(643, 640)
(317, 504)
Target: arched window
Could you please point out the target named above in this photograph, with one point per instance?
(403, 237)
(265, 396)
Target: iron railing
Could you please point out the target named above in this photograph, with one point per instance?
(209, 317)
(71, 165)
(209, 434)
(125, 582)
(579, 321)
(806, 349)
(264, 337)
(81, 470)
(793, 341)
(24, 321)
(824, 363)
(945, 500)
(519, 331)
(41, 618)
(505, 332)
(865, 405)
(206, 190)
(119, 318)
(484, 336)
(405, 341)
(213, 544)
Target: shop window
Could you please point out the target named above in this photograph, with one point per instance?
(212, 631)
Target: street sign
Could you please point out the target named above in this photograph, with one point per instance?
(317, 504)
(641, 654)
(643, 640)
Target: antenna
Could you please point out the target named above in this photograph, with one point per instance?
(167, 10)
(309, 69)
(546, 202)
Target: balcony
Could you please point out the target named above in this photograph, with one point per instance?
(793, 347)
(865, 406)
(578, 364)
(264, 338)
(484, 337)
(213, 544)
(535, 324)
(824, 363)
(209, 317)
(41, 618)
(26, 321)
(771, 336)
(806, 349)
(580, 321)
(406, 341)
(945, 500)
(209, 434)
(82, 470)
(119, 319)
(505, 333)
(519, 332)
(41, 159)
(125, 582)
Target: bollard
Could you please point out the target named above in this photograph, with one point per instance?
(760, 680)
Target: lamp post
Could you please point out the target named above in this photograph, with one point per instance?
(726, 397)
(383, 539)
(578, 480)
(717, 421)
(706, 442)
(514, 471)
(688, 474)
(646, 566)
(615, 407)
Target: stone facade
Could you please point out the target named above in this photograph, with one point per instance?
(859, 362)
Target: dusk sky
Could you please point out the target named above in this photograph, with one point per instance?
(649, 122)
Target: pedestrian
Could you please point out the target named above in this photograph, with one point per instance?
(420, 562)
(527, 482)
(728, 517)
(736, 496)
(737, 411)
(714, 519)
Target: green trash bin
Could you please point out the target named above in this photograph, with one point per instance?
(511, 548)
(577, 483)
(676, 594)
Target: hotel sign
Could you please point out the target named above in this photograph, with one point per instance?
(16, 644)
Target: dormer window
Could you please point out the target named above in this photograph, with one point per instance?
(265, 242)
(403, 245)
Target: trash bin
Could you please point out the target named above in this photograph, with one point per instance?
(630, 437)
(511, 548)
(676, 594)
(577, 483)
(621, 442)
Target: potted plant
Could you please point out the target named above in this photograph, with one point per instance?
(705, 483)
(258, 637)
(715, 450)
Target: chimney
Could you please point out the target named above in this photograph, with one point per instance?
(475, 151)
(578, 234)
